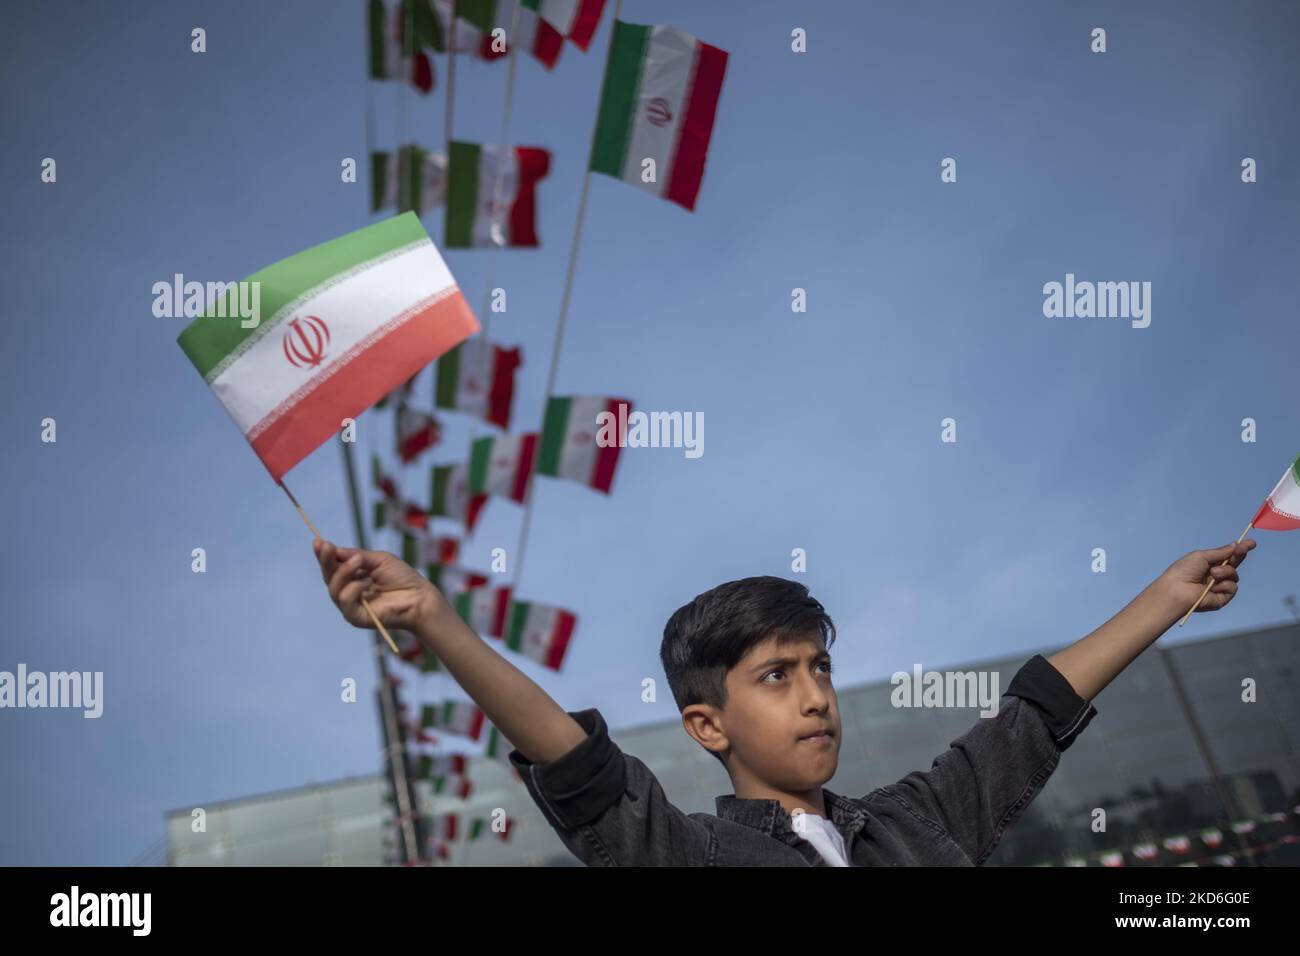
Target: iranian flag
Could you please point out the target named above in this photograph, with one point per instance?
(383, 480)
(400, 516)
(539, 631)
(484, 609)
(410, 180)
(478, 377)
(390, 58)
(450, 579)
(1281, 510)
(416, 432)
(342, 325)
(492, 194)
(482, 825)
(448, 784)
(568, 445)
(575, 20)
(532, 34)
(501, 465)
(658, 102)
(456, 716)
(452, 497)
(444, 826)
(498, 748)
(418, 549)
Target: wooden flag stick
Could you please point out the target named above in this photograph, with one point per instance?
(364, 603)
(1210, 583)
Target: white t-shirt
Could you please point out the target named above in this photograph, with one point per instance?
(821, 833)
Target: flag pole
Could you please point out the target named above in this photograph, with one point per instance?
(564, 301)
(1209, 584)
(412, 824)
(364, 603)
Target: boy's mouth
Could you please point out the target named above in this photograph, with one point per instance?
(818, 736)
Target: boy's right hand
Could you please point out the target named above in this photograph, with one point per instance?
(398, 594)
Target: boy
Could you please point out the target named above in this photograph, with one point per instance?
(777, 737)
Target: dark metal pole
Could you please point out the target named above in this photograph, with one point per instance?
(398, 760)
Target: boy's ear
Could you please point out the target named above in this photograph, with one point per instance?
(702, 722)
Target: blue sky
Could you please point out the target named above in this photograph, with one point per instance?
(822, 428)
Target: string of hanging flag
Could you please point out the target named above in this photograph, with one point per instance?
(652, 127)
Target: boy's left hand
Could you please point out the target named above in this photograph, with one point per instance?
(1186, 578)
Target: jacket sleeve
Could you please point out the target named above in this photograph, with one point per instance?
(987, 777)
(608, 808)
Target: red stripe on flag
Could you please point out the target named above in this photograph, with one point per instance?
(697, 126)
(422, 73)
(476, 504)
(564, 624)
(504, 363)
(547, 44)
(585, 22)
(416, 517)
(524, 471)
(476, 724)
(602, 471)
(318, 415)
(533, 165)
(499, 612)
(417, 442)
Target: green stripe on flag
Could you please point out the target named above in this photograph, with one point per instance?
(378, 180)
(441, 478)
(448, 377)
(480, 459)
(464, 607)
(410, 554)
(618, 98)
(377, 70)
(481, 13)
(554, 428)
(462, 194)
(515, 627)
(210, 338)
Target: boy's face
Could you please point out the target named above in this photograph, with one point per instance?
(777, 696)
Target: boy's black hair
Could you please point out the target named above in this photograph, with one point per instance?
(706, 638)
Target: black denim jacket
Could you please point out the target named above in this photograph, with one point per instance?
(609, 810)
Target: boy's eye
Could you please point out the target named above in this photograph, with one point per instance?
(781, 670)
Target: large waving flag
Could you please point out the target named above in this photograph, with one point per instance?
(483, 179)
(342, 325)
(659, 100)
(1281, 509)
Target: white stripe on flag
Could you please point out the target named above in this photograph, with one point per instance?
(666, 72)
(349, 304)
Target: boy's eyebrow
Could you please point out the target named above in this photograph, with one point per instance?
(788, 660)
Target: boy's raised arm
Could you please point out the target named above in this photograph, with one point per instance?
(402, 598)
(1092, 662)
(986, 778)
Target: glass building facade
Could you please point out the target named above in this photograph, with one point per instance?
(1192, 759)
